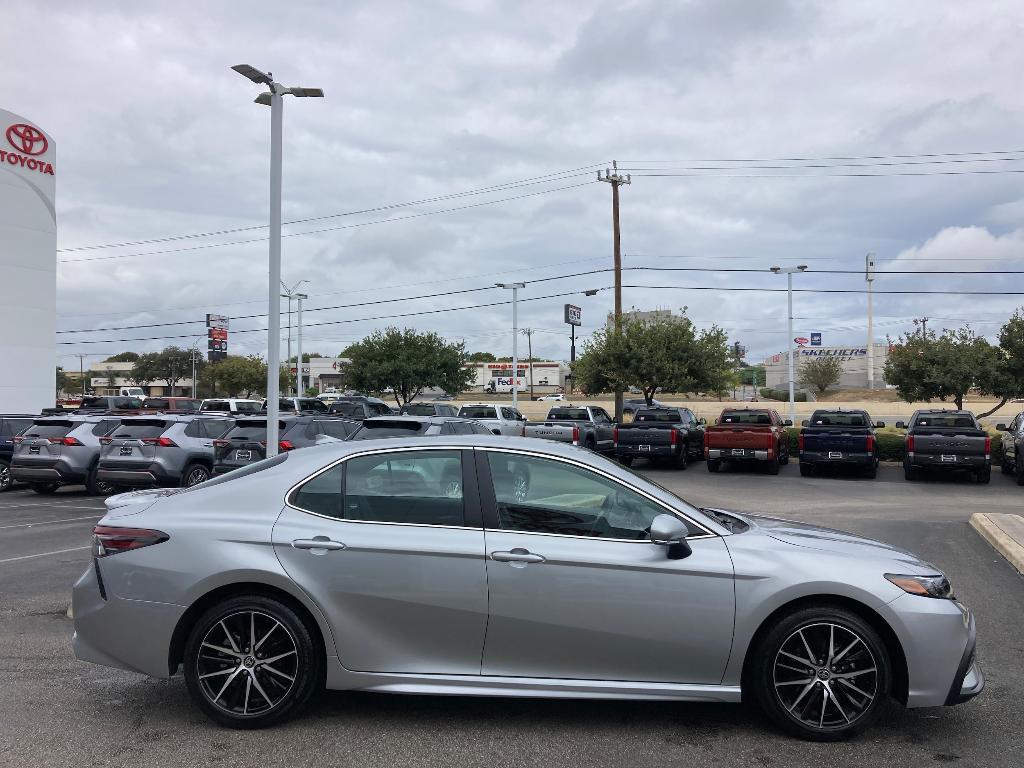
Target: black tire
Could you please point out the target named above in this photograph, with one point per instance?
(626, 461)
(284, 698)
(1018, 470)
(590, 444)
(44, 489)
(195, 474)
(806, 470)
(772, 465)
(786, 701)
(682, 460)
(871, 472)
(984, 476)
(784, 458)
(96, 487)
(909, 472)
(714, 465)
(1005, 468)
(6, 481)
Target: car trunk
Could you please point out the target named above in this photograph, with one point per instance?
(43, 442)
(954, 440)
(245, 443)
(133, 443)
(647, 434)
(740, 436)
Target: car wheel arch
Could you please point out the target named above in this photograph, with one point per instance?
(311, 617)
(900, 676)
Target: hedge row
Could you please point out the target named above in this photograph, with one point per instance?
(782, 395)
(890, 445)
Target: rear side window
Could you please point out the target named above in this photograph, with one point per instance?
(321, 494)
(339, 429)
(414, 487)
(49, 428)
(136, 430)
(477, 412)
(215, 427)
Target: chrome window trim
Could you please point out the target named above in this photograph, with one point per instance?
(369, 452)
(708, 533)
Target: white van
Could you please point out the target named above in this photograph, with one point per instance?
(132, 392)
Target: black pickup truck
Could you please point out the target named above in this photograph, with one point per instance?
(946, 440)
(839, 438)
(660, 434)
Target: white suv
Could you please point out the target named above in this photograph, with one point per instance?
(231, 405)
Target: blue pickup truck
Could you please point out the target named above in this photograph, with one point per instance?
(839, 438)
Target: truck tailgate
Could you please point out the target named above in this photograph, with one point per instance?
(950, 443)
(560, 432)
(845, 442)
(636, 435)
(739, 437)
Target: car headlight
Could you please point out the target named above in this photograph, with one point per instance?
(926, 586)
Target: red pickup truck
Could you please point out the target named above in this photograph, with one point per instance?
(747, 435)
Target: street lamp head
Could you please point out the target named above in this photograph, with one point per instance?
(591, 292)
(245, 70)
(776, 270)
(802, 267)
(510, 285)
(306, 93)
(264, 99)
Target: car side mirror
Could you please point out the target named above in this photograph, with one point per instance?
(669, 531)
(804, 423)
(879, 425)
(787, 423)
(900, 425)
(702, 421)
(1000, 427)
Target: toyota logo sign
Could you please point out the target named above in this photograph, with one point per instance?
(27, 139)
(801, 341)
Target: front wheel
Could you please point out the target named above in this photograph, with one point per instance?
(251, 662)
(1018, 470)
(5, 476)
(806, 470)
(822, 673)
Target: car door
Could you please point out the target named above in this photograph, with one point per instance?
(1010, 438)
(604, 428)
(510, 423)
(578, 591)
(389, 545)
(696, 431)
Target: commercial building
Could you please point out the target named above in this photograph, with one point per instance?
(497, 377)
(28, 264)
(324, 373)
(854, 362)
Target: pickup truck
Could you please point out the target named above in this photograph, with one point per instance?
(584, 425)
(839, 438)
(500, 419)
(946, 440)
(672, 435)
(1013, 448)
(747, 435)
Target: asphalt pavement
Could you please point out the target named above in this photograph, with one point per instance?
(57, 711)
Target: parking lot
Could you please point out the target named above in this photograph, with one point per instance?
(56, 711)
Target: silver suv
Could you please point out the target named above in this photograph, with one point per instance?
(62, 450)
(146, 451)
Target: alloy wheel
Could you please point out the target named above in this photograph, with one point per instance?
(247, 663)
(5, 477)
(825, 676)
(196, 476)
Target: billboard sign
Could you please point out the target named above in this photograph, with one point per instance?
(573, 315)
(216, 337)
(816, 339)
(801, 341)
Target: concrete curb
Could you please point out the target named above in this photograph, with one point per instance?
(1005, 532)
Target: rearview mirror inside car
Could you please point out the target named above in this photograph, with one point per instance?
(900, 425)
(669, 531)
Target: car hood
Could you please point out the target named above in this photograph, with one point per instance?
(830, 540)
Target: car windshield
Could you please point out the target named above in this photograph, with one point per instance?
(478, 412)
(746, 417)
(418, 410)
(568, 414)
(664, 416)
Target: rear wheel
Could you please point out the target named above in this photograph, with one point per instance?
(872, 470)
(1018, 470)
(5, 476)
(822, 673)
(984, 476)
(44, 488)
(909, 472)
(251, 662)
(772, 465)
(194, 474)
(714, 465)
(806, 470)
(96, 487)
(683, 457)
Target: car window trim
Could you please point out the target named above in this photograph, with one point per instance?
(471, 500)
(490, 506)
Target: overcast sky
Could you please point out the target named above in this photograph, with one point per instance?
(157, 137)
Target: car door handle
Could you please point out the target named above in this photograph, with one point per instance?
(318, 542)
(517, 555)
(207, 445)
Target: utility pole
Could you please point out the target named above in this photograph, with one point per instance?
(789, 272)
(924, 325)
(616, 179)
(514, 287)
(289, 357)
(81, 370)
(298, 352)
(528, 333)
(292, 293)
(869, 276)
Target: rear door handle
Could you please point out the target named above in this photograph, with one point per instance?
(318, 542)
(517, 555)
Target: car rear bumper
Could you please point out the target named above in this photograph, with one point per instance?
(48, 472)
(99, 628)
(144, 476)
(745, 454)
(836, 457)
(934, 460)
(658, 451)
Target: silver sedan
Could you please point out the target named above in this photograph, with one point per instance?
(365, 566)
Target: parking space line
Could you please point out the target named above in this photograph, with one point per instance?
(43, 554)
(49, 506)
(51, 522)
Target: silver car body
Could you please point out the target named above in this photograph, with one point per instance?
(52, 457)
(425, 608)
(500, 418)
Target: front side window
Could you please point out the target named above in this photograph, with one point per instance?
(537, 495)
(417, 487)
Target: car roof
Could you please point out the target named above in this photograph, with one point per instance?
(407, 418)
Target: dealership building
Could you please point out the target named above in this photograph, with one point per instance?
(854, 362)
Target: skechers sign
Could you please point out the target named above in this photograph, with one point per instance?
(27, 142)
(843, 353)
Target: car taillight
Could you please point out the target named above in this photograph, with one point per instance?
(108, 540)
(910, 443)
(220, 443)
(988, 445)
(673, 436)
(163, 442)
(106, 440)
(575, 434)
(800, 441)
(64, 440)
(871, 443)
(615, 436)
(285, 445)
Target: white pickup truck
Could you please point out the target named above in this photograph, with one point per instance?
(501, 419)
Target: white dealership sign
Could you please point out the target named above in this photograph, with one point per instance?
(28, 263)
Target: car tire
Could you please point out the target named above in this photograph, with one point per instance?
(44, 489)
(806, 470)
(96, 487)
(277, 691)
(682, 459)
(773, 465)
(783, 457)
(195, 474)
(984, 476)
(909, 472)
(793, 695)
(872, 471)
(6, 481)
(626, 461)
(1018, 470)
(714, 465)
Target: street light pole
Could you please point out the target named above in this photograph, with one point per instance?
(515, 334)
(869, 275)
(274, 99)
(789, 272)
(291, 293)
(298, 352)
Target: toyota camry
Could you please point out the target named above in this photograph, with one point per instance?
(496, 566)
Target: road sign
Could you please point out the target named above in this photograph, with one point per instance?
(816, 339)
(573, 315)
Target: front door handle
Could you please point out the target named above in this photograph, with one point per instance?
(517, 555)
(318, 542)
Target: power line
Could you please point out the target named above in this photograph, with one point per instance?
(824, 290)
(822, 159)
(329, 229)
(889, 164)
(825, 175)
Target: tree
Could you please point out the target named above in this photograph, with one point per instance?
(172, 365)
(62, 380)
(821, 372)
(109, 378)
(1005, 380)
(407, 362)
(752, 375)
(144, 370)
(235, 375)
(946, 367)
(481, 357)
(123, 357)
(662, 352)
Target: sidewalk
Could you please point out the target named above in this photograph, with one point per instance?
(1005, 532)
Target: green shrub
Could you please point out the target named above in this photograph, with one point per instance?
(782, 395)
